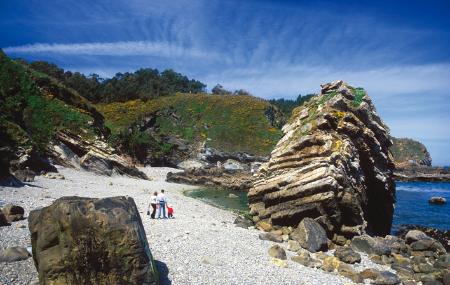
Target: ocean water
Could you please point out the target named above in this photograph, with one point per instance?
(412, 205)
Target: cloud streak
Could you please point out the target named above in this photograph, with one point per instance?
(121, 48)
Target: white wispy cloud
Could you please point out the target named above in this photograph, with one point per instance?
(121, 48)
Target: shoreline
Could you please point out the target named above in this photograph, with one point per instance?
(200, 246)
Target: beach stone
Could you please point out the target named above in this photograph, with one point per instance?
(91, 241)
(347, 255)
(13, 213)
(348, 271)
(265, 226)
(330, 263)
(403, 271)
(386, 278)
(25, 175)
(415, 235)
(270, 237)
(277, 251)
(293, 245)
(428, 245)
(310, 235)
(242, 222)
(446, 277)
(3, 220)
(279, 262)
(305, 259)
(423, 268)
(53, 175)
(369, 245)
(12, 254)
(277, 232)
(369, 273)
(437, 200)
(400, 259)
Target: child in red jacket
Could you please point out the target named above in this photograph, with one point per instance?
(170, 210)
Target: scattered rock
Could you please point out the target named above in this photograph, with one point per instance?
(403, 271)
(25, 175)
(12, 254)
(348, 271)
(386, 278)
(13, 213)
(369, 273)
(293, 245)
(305, 259)
(415, 235)
(310, 235)
(191, 164)
(231, 164)
(3, 220)
(369, 245)
(270, 237)
(242, 222)
(279, 262)
(265, 226)
(347, 255)
(428, 245)
(277, 251)
(400, 259)
(52, 175)
(85, 240)
(233, 196)
(330, 263)
(437, 200)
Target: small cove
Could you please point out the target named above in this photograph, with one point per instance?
(412, 205)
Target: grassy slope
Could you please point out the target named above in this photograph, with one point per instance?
(405, 149)
(226, 122)
(35, 106)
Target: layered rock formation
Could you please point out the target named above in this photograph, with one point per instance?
(91, 241)
(332, 164)
(96, 156)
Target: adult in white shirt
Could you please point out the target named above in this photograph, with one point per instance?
(154, 203)
(162, 204)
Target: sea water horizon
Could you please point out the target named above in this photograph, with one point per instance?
(412, 207)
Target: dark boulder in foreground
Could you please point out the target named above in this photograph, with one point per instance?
(91, 241)
(333, 165)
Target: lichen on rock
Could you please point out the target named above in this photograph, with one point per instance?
(332, 164)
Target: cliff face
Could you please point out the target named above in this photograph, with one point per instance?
(332, 164)
(407, 151)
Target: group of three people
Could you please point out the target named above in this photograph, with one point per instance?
(159, 201)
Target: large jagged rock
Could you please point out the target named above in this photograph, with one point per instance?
(91, 241)
(332, 164)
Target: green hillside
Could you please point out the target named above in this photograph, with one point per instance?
(230, 123)
(407, 150)
(33, 107)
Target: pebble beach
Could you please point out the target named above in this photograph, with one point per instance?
(201, 245)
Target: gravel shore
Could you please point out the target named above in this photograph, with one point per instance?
(200, 246)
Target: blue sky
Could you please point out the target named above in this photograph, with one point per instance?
(399, 51)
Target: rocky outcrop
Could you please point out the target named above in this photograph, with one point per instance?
(95, 156)
(91, 241)
(332, 164)
(216, 177)
(414, 172)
